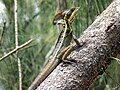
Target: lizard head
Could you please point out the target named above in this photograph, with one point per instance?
(58, 19)
(69, 13)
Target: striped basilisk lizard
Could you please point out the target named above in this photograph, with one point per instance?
(65, 19)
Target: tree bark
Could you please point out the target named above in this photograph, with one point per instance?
(101, 40)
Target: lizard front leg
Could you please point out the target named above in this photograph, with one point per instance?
(75, 39)
(65, 52)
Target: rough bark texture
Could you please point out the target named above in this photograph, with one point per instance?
(101, 41)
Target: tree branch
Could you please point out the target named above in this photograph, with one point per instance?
(102, 41)
(16, 44)
(16, 49)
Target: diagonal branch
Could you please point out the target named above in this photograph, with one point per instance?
(16, 49)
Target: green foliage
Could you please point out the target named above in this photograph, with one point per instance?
(35, 21)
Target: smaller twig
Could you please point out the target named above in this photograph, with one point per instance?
(33, 17)
(16, 49)
(4, 27)
(30, 20)
(118, 60)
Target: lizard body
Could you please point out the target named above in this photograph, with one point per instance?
(56, 58)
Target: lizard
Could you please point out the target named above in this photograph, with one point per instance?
(65, 21)
(58, 20)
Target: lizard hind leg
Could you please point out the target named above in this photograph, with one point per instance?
(67, 52)
(70, 48)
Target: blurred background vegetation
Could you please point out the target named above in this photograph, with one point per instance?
(35, 21)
